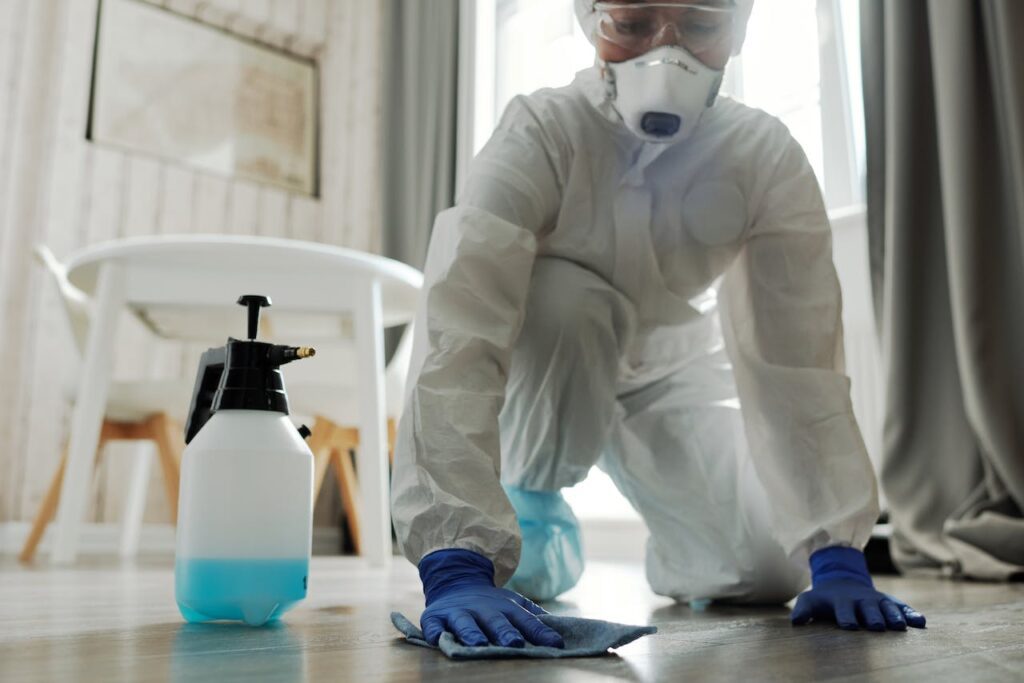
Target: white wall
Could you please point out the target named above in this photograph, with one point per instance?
(60, 189)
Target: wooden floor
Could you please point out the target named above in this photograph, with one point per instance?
(110, 623)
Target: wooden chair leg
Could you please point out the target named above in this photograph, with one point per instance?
(332, 444)
(164, 431)
(48, 508)
(392, 436)
(111, 431)
(320, 444)
(348, 487)
(45, 514)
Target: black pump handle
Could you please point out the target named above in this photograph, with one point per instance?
(255, 302)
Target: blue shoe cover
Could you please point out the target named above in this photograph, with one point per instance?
(552, 558)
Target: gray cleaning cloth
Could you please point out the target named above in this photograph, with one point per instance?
(583, 638)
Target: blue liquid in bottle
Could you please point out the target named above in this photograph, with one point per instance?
(251, 590)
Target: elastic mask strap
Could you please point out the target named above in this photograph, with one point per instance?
(713, 93)
(608, 76)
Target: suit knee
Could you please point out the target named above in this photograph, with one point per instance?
(569, 306)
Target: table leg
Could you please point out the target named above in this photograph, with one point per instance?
(87, 417)
(371, 456)
(135, 503)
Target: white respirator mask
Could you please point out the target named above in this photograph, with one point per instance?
(662, 94)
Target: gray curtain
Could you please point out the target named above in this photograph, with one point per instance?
(419, 110)
(944, 101)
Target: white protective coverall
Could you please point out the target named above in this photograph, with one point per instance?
(594, 299)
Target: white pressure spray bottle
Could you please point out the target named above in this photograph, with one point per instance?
(245, 509)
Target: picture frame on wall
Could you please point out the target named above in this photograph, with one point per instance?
(173, 87)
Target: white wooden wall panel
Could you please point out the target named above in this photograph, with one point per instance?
(187, 8)
(210, 204)
(177, 183)
(337, 105)
(313, 27)
(142, 188)
(12, 41)
(47, 170)
(351, 215)
(272, 219)
(56, 187)
(305, 219)
(14, 48)
(64, 224)
(282, 24)
(365, 132)
(252, 15)
(28, 158)
(103, 220)
(217, 12)
(243, 200)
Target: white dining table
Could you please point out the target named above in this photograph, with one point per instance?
(206, 273)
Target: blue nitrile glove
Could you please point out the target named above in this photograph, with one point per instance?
(462, 598)
(842, 591)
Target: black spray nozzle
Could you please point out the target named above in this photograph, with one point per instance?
(242, 375)
(279, 355)
(254, 302)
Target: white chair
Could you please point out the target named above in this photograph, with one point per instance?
(183, 287)
(146, 410)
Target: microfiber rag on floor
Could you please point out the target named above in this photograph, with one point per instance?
(583, 638)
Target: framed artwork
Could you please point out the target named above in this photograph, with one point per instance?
(172, 87)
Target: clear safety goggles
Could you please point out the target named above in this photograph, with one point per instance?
(642, 26)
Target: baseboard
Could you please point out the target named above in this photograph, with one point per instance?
(154, 539)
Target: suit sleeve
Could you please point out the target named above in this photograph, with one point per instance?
(446, 490)
(782, 322)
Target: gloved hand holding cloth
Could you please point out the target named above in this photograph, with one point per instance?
(462, 598)
(468, 617)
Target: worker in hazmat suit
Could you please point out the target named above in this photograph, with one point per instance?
(637, 275)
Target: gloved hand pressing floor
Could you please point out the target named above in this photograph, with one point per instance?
(842, 592)
(462, 598)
